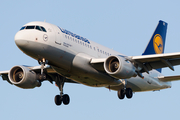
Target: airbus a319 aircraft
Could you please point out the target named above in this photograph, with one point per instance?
(67, 57)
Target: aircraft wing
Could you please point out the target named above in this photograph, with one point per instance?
(169, 78)
(146, 62)
(156, 61)
(51, 73)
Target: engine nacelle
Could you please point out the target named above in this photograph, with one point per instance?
(23, 77)
(118, 67)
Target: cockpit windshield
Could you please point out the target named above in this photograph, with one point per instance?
(40, 28)
(23, 28)
(30, 27)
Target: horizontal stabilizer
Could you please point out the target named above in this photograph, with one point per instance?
(169, 78)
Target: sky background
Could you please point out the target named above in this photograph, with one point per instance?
(124, 25)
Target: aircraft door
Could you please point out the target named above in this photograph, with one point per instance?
(57, 35)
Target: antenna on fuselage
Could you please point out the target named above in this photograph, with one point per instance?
(45, 20)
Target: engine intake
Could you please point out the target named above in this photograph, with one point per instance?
(23, 77)
(120, 68)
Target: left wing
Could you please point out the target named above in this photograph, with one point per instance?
(145, 62)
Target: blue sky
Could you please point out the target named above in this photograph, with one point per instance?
(124, 25)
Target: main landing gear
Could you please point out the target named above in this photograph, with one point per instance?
(59, 82)
(62, 97)
(125, 91)
(122, 92)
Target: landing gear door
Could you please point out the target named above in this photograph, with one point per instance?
(57, 35)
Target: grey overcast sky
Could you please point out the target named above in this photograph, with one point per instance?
(124, 25)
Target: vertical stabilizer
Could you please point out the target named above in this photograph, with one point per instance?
(156, 44)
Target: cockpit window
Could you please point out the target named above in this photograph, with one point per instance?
(23, 28)
(30, 27)
(40, 28)
(43, 29)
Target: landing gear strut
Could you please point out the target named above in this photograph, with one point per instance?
(125, 91)
(62, 97)
(42, 62)
(42, 76)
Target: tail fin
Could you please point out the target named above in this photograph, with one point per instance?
(156, 44)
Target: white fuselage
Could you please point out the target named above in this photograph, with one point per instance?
(69, 55)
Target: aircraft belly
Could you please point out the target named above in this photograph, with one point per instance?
(77, 67)
(138, 84)
(82, 68)
(89, 79)
(74, 67)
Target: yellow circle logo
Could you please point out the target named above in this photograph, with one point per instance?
(158, 44)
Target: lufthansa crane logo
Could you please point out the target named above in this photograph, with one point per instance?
(45, 37)
(158, 44)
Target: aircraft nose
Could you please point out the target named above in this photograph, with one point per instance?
(20, 39)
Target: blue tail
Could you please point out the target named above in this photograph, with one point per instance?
(156, 44)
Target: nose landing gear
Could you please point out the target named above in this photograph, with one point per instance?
(42, 76)
(42, 62)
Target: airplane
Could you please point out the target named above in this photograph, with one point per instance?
(66, 57)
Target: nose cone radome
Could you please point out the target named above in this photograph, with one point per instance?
(20, 39)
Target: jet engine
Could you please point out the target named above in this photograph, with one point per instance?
(120, 68)
(23, 77)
